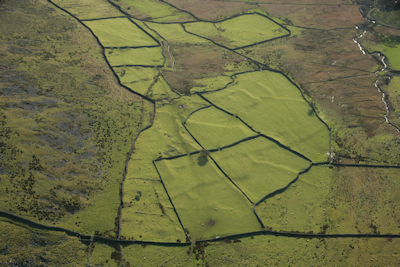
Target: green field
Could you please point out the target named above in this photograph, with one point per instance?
(135, 56)
(269, 103)
(393, 92)
(119, 32)
(138, 255)
(239, 31)
(161, 90)
(259, 166)
(391, 49)
(89, 9)
(147, 213)
(101, 255)
(153, 10)
(213, 128)
(389, 45)
(167, 137)
(174, 33)
(301, 206)
(336, 200)
(208, 204)
(138, 79)
(210, 84)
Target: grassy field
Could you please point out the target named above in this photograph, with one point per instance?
(135, 56)
(210, 84)
(259, 166)
(391, 49)
(213, 128)
(364, 200)
(148, 213)
(269, 103)
(138, 79)
(161, 90)
(102, 254)
(389, 45)
(174, 33)
(239, 31)
(89, 9)
(153, 10)
(151, 217)
(208, 204)
(301, 206)
(119, 32)
(281, 251)
(339, 200)
(393, 92)
(157, 256)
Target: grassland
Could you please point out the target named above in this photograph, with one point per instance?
(259, 166)
(22, 245)
(138, 79)
(239, 31)
(102, 254)
(157, 255)
(120, 32)
(210, 84)
(302, 206)
(65, 138)
(148, 213)
(387, 18)
(389, 45)
(161, 90)
(270, 250)
(135, 56)
(269, 103)
(213, 128)
(197, 60)
(153, 10)
(67, 134)
(167, 136)
(174, 33)
(393, 91)
(208, 204)
(89, 9)
(354, 145)
(339, 200)
(391, 49)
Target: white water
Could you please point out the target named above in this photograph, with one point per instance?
(384, 69)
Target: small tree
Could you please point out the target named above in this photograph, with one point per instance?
(202, 159)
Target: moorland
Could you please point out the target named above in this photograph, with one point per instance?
(199, 133)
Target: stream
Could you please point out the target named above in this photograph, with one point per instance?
(384, 70)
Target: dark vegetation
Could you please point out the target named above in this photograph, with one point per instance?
(21, 245)
(389, 40)
(202, 159)
(388, 5)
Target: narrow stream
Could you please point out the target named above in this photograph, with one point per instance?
(384, 69)
(165, 41)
